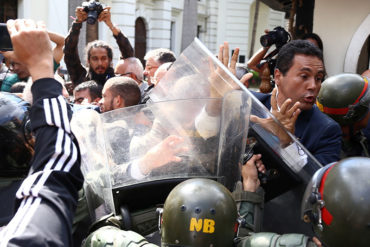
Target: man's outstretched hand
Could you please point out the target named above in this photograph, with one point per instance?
(287, 115)
(31, 45)
(165, 152)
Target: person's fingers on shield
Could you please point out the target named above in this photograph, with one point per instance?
(163, 153)
(250, 174)
(175, 144)
(260, 166)
(221, 53)
(213, 79)
(225, 58)
(271, 126)
(245, 79)
(233, 61)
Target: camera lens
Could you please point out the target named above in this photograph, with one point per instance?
(91, 17)
(266, 40)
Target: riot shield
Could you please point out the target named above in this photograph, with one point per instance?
(87, 126)
(134, 156)
(287, 165)
(195, 126)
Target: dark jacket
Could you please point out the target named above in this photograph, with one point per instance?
(76, 70)
(322, 137)
(47, 198)
(320, 134)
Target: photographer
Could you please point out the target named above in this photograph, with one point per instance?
(263, 65)
(99, 53)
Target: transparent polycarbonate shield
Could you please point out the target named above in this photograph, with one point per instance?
(149, 144)
(87, 126)
(163, 140)
(209, 76)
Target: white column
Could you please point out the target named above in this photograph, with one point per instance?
(210, 37)
(159, 30)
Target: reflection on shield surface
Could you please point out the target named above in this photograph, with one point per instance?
(133, 157)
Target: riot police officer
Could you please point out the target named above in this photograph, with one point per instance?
(336, 203)
(202, 212)
(198, 212)
(346, 99)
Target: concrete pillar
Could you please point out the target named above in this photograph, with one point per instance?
(190, 21)
(160, 25)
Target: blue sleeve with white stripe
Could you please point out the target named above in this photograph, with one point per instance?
(47, 198)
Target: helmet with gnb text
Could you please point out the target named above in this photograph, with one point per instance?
(199, 213)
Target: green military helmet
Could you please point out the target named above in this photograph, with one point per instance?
(345, 98)
(199, 213)
(337, 202)
(113, 236)
(16, 140)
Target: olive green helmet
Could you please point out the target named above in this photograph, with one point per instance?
(337, 202)
(113, 236)
(199, 213)
(345, 98)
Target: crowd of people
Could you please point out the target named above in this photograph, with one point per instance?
(329, 117)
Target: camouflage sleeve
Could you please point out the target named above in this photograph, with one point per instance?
(269, 239)
(250, 207)
(76, 71)
(124, 45)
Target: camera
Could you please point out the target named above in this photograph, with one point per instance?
(5, 41)
(277, 36)
(93, 10)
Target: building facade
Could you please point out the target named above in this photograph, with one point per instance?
(172, 24)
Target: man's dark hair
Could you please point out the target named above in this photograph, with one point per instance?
(166, 57)
(125, 87)
(315, 37)
(94, 89)
(161, 55)
(99, 44)
(18, 87)
(287, 53)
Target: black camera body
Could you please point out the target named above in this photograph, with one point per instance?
(93, 10)
(277, 36)
(5, 41)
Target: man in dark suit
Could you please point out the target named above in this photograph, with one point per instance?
(298, 75)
